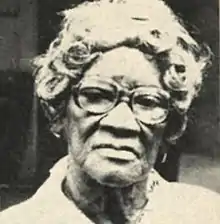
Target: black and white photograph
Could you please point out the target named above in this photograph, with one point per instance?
(109, 112)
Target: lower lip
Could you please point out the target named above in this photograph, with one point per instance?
(117, 154)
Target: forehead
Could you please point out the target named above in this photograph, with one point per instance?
(128, 66)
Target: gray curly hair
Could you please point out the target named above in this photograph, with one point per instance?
(95, 27)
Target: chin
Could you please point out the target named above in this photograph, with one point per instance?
(112, 174)
(116, 181)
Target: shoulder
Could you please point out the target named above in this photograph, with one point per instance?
(194, 194)
(46, 201)
(203, 204)
(17, 214)
(184, 203)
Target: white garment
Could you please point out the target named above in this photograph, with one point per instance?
(169, 203)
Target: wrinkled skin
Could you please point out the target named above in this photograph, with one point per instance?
(119, 127)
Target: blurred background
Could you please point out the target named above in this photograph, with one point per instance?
(28, 150)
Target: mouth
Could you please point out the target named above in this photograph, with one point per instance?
(112, 152)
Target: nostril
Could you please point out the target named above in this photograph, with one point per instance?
(119, 132)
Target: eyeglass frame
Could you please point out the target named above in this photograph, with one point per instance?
(122, 95)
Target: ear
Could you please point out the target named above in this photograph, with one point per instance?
(57, 127)
(175, 128)
(55, 115)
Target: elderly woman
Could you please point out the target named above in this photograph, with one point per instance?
(117, 84)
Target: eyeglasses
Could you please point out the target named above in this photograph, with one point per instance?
(149, 104)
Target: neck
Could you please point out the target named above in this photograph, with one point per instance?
(101, 203)
(125, 205)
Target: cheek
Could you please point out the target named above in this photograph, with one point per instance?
(152, 139)
(81, 122)
(152, 134)
(76, 119)
(80, 126)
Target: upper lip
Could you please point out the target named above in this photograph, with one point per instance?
(120, 147)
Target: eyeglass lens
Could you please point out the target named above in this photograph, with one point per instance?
(100, 97)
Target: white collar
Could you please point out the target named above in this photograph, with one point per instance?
(52, 189)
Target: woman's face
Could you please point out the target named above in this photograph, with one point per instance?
(117, 147)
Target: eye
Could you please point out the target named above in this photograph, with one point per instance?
(89, 96)
(148, 101)
(150, 109)
(95, 99)
(92, 95)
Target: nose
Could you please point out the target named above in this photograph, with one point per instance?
(121, 118)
